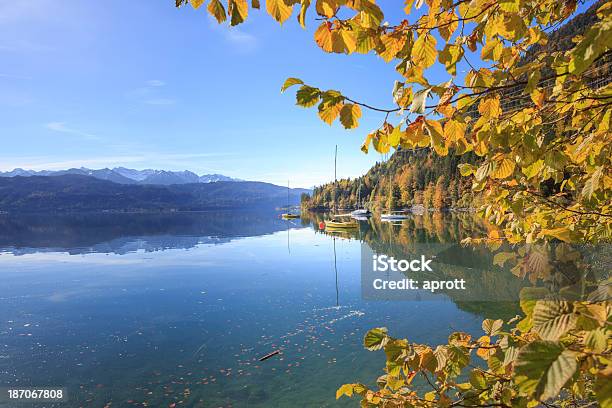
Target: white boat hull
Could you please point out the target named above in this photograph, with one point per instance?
(393, 217)
(360, 213)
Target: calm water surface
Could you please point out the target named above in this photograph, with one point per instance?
(138, 310)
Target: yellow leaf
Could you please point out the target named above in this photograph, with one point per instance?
(395, 136)
(328, 112)
(504, 168)
(196, 3)
(346, 389)
(279, 10)
(492, 50)
(408, 6)
(454, 130)
(366, 143)
(563, 233)
(327, 8)
(349, 40)
(238, 11)
(424, 50)
(323, 37)
(380, 143)
(450, 56)
(538, 96)
(329, 39)
(365, 41)
(349, 115)
(490, 107)
(448, 23)
(290, 82)
(393, 44)
(414, 134)
(302, 15)
(216, 9)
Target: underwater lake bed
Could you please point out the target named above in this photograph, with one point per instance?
(143, 310)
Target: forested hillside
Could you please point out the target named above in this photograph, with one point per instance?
(408, 178)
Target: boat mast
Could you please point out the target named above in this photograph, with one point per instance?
(335, 182)
(288, 196)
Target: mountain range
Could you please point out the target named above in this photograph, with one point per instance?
(85, 193)
(124, 175)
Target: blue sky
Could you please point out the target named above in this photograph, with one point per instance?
(143, 85)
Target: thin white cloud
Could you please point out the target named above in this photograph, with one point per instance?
(151, 94)
(62, 128)
(155, 82)
(241, 38)
(243, 42)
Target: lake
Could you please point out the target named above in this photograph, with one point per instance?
(154, 310)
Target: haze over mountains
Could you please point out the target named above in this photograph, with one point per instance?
(124, 175)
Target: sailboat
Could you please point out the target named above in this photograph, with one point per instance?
(289, 215)
(393, 215)
(339, 221)
(360, 213)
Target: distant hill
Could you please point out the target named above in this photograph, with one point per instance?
(74, 193)
(124, 175)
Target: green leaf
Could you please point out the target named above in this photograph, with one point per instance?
(502, 257)
(307, 96)
(492, 327)
(533, 169)
(552, 319)
(478, 380)
(349, 116)
(289, 82)
(596, 41)
(375, 339)
(466, 169)
(419, 100)
(543, 367)
(597, 340)
(603, 390)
